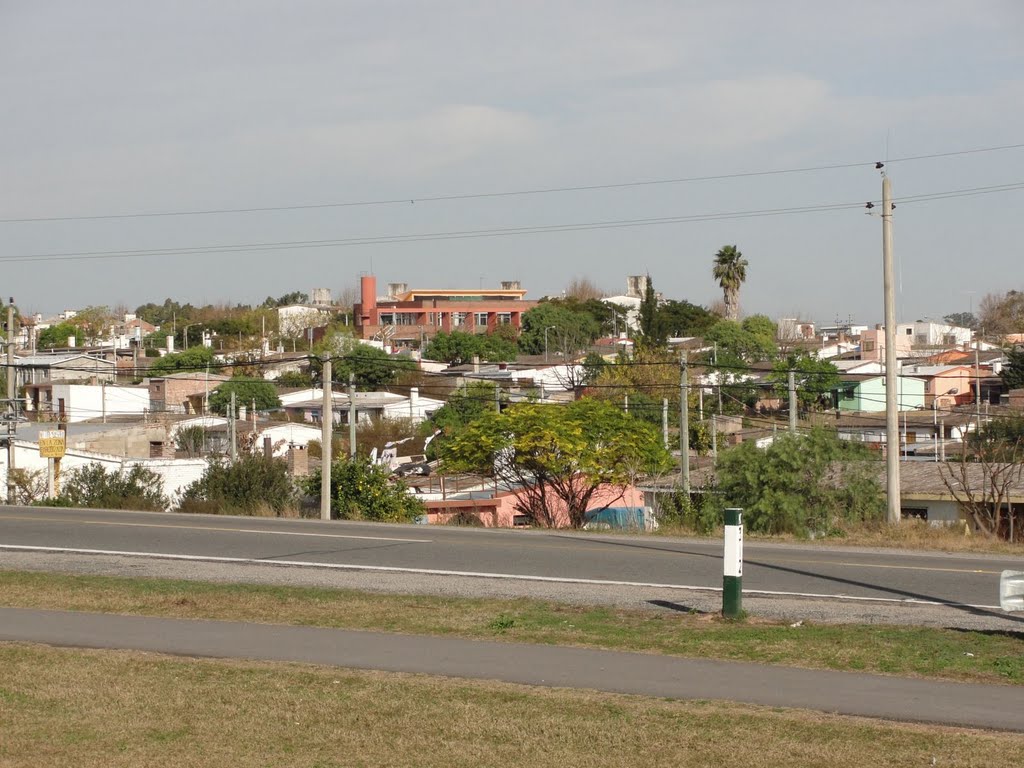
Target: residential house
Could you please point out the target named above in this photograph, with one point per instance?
(84, 402)
(184, 392)
(42, 368)
(866, 393)
(307, 406)
(947, 384)
(405, 316)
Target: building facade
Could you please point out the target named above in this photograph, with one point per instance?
(407, 315)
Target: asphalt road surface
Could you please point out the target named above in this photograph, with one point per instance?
(893, 698)
(770, 570)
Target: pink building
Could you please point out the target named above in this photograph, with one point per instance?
(413, 314)
(499, 510)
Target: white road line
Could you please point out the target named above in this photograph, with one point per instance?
(221, 529)
(483, 575)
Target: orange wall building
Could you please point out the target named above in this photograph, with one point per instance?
(406, 315)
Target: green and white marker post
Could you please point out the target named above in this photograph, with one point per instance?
(732, 565)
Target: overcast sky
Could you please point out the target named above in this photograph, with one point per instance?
(134, 107)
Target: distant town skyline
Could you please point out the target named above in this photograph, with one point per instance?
(455, 143)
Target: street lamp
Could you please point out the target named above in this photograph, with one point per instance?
(546, 342)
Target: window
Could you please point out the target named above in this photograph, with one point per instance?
(910, 331)
(405, 318)
(504, 318)
(387, 318)
(869, 346)
(459, 319)
(480, 319)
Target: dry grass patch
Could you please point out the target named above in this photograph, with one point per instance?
(909, 534)
(919, 651)
(105, 709)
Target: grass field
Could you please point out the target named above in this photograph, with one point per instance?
(900, 650)
(102, 709)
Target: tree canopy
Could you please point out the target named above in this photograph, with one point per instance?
(1013, 372)
(814, 379)
(57, 335)
(192, 359)
(801, 483)
(568, 332)
(246, 391)
(460, 347)
(559, 457)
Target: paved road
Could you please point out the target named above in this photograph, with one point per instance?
(865, 575)
(891, 698)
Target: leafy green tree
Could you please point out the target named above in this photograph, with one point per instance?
(132, 488)
(815, 379)
(763, 327)
(246, 391)
(193, 359)
(364, 491)
(962, 319)
(165, 313)
(738, 346)
(295, 297)
(1013, 372)
(568, 332)
(801, 483)
(374, 368)
(57, 335)
(459, 347)
(559, 456)
(730, 270)
(464, 406)
(294, 379)
(651, 331)
(681, 318)
(249, 485)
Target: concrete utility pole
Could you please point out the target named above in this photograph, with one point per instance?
(12, 405)
(977, 384)
(714, 438)
(326, 423)
(792, 403)
(664, 421)
(352, 415)
(892, 421)
(233, 422)
(684, 422)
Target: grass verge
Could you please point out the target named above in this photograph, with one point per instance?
(909, 534)
(937, 653)
(106, 709)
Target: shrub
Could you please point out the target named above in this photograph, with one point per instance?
(699, 511)
(132, 488)
(251, 485)
(801, 484)
(364, 491)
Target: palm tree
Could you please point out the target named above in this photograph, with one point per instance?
(730, 271)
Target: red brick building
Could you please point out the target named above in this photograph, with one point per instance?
(407, 315)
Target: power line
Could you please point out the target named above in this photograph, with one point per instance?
(411, 199)
(494, 232)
